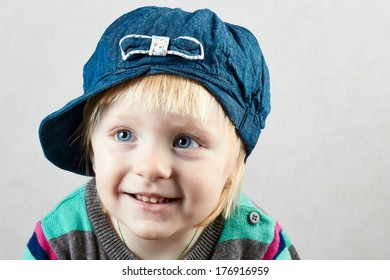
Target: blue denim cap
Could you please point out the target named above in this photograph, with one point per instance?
(225, 58)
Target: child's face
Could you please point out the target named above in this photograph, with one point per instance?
(160, 174)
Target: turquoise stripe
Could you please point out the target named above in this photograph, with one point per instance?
(27, 255)
(69, 215)
(237, 226)
(284, 255)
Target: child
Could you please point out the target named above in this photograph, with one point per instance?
(173, 105)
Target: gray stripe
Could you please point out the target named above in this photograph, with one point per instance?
(77, 245)
(293, 252)
(240, 249)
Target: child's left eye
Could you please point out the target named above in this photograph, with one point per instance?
(186, 142)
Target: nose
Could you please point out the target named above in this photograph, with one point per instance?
(152, 163)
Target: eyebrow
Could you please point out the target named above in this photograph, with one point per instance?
(191, 124)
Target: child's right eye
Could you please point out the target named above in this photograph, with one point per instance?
(124, 135)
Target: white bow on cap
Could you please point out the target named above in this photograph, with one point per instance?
(183, 46)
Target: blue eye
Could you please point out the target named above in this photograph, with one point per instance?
(185, 142)
(124, 135)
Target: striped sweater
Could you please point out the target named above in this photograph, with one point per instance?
(77, 228)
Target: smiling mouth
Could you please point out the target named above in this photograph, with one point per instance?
(152, 199)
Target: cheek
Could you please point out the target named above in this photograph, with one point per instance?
(212, 180)
(107, 162)
(205, 184)
(107, 174)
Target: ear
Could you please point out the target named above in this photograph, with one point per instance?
(228, 183)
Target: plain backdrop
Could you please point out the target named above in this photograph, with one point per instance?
(321, 166)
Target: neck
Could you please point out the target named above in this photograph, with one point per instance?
(176, 246)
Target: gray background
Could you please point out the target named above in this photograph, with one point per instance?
(321, 166)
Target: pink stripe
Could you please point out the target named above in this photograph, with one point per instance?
(44, 243)
(273, 247)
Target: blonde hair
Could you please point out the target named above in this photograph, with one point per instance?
(176, 95)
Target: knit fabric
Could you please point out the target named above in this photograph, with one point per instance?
(77, 228)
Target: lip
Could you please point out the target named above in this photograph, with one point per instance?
(150, 207)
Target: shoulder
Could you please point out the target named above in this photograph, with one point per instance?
(248, 222)
(50, 237)
(250, 233)
(69, 214)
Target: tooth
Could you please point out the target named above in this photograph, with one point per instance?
(145, 198)
(161, 200)
(153, 199)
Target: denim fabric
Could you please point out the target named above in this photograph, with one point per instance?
(225, 58)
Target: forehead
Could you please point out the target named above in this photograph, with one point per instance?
(135, 113)
(165, 94)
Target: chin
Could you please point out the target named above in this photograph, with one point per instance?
(153, 233)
